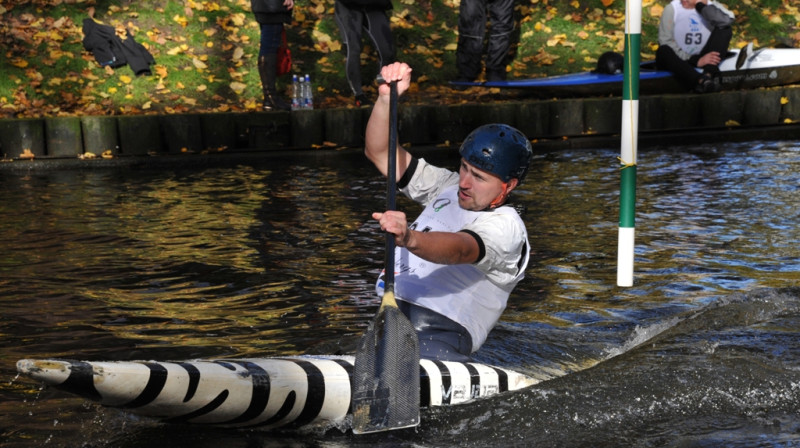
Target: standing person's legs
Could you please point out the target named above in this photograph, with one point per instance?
(376, 23)
(379, 30)
(471, 30)
(268, 65)
(350, 22)
(501, 17)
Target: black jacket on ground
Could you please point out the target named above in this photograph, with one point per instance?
(109, 49)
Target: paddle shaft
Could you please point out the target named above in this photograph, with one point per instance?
(386, 378)
(391, 187)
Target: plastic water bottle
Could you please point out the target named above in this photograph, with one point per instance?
(308, 95)
(297, 94)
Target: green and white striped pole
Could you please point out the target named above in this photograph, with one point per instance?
(630, 138)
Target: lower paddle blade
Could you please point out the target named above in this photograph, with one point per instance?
(386, 375)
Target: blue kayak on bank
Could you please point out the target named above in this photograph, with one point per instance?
(765, 67)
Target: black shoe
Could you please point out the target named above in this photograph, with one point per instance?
(363, 101)
(707, 84)
(492, 76)
(272, 102)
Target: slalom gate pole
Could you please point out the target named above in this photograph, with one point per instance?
(629, 142)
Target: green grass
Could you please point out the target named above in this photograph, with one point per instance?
(45, 71)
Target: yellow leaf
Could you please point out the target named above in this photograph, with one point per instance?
(451, 47)
(656, 10)
(238, 53)
(199, 64)
(784, 100)
(202, 88)
(238, 19)
(607, 3)
(238, 87)
(125, 78)
(26, 154)
(107, 154)
(147, 105)
(180, 20)
(19, 62)
(179, 85)
(557, 39)
(732, 123)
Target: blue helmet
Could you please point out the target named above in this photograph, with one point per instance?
(499, 149)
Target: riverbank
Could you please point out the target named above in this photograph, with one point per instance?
(584, 122)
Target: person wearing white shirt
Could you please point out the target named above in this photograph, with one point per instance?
(694, 34)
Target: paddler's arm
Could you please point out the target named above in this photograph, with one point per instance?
(377, 135)
(436, 247)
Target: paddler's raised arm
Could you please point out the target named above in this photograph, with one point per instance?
(377, 134)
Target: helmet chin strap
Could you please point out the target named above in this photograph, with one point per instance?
(498, 201)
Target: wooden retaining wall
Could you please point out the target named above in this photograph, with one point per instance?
(69, 137)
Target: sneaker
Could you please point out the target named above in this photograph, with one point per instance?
(707, 84)
(362, 101)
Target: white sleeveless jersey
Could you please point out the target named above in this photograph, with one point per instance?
(474, 295)
(691, 30)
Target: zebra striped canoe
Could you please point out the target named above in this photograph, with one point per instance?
(260, 392)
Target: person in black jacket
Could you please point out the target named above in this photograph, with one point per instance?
(354, 17)
(472, 15)
(271, 15)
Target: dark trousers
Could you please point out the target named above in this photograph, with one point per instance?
(684, 71)
(353, 22)
(270, 38)
(440, 338)
(472, 15)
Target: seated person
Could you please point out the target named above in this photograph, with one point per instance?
(694, 33)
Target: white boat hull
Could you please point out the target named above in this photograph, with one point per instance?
(259, 392)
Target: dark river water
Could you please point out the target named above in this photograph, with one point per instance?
(277, 255)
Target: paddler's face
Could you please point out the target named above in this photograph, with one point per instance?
(479, 189)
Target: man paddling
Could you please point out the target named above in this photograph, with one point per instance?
(458, 262)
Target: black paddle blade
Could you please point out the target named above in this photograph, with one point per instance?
(386, 375)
